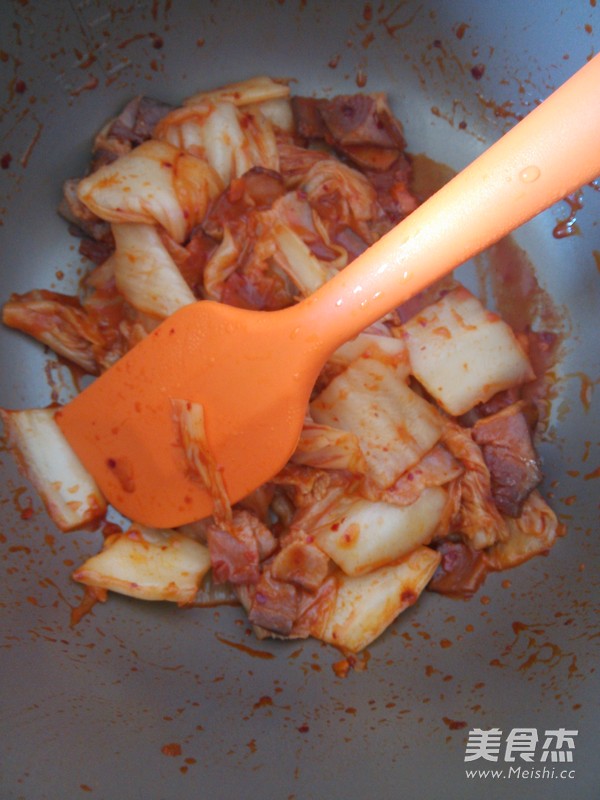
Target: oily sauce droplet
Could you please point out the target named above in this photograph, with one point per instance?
(172, 749)
(454, 724)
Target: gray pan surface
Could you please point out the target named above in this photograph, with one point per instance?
(148, 701)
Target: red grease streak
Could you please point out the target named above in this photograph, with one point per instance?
(157, 41)
(453, 724)
(90, 84)
(245, 649)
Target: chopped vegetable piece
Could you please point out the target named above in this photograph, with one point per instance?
(225, 138)
(390, 345)
(366, 605)
(149, 564)
(323, 447)
(58, 321)
(253, 90)
(297, 261)
(370, 535)
(531, 534)
(478, 519)
(191, 428)
(155, 183)
(145, 273)
(462, 353)
(69, 492)
(395, 426)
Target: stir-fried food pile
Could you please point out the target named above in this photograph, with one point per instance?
(416, 466)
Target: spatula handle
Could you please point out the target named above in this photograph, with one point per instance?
(552, 152)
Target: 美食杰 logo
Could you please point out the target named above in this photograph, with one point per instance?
(521, 753)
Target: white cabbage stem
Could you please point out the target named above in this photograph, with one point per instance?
(67, 489)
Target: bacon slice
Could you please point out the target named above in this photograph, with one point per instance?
(137, 120)
(508, 450)
(275, 604)
(237, 549)
(357, 119)
(302, 564)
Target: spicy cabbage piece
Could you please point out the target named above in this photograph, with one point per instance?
(370, 535)
(67, 489)
(145, 273)
(344, 198)
(463, 569)
(478, 519)
(265, 246)
(121, 325)
(149, 564)
(278, 111)
(392, 346)
(532, 533)
(294, 257)
(366, 605)
(230, 140)
(93, 332)
(438, 467)
(394, 425)
(154, 183)
(261, 238)
(462, 353)
(258, 89)
(59, 321)
(324, 447)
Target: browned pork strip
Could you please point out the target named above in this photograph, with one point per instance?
(302, 564)
(275, 604)
(393, 187)
(361, 119)
(508, 451)
(74, 211)
(308, 121)
(233, 555)
(461, 571)
(236, 550)
(137, 120)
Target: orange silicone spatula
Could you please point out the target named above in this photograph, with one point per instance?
(253, 372)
